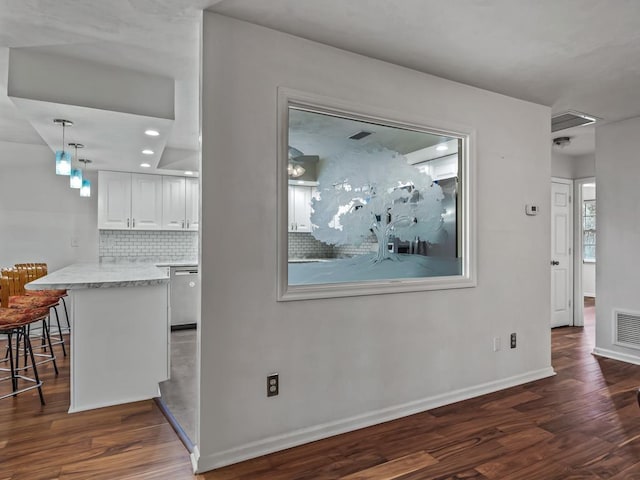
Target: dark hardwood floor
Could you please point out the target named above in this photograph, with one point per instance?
(582, 423)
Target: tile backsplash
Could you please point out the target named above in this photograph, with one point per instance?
(304, 245)
(147, 244)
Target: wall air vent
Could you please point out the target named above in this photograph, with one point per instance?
(360, 135)
(627, 329)
(570, 119)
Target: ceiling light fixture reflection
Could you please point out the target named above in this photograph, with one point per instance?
(145, 165)
(295, 170)
(151, 132)
(147, 151)
(188, 172)
(442, 148)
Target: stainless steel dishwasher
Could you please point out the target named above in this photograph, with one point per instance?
(185, 297)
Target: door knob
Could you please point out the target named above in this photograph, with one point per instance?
(555, 262)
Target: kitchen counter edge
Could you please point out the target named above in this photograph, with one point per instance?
(97, 275)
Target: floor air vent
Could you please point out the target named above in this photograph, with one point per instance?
(627, 327)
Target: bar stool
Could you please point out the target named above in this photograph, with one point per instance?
(17, 298)
(9, 287)
(33, 271)
(14, 323)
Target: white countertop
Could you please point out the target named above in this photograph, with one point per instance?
(100, 275)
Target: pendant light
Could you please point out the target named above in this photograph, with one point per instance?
(75, 179)
(63, 158)
(85, 189)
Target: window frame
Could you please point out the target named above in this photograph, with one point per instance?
(585, 230)
(467, 204)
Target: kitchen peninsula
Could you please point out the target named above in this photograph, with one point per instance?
(119, 317)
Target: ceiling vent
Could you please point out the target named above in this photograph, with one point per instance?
(570, 119)
(627, 329)
(360, 135)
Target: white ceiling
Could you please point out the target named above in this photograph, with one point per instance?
(569, 54)
(159, 37)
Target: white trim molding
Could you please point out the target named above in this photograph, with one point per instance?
(286, 98)
(318, 432)
(578, 294)
(613, 355)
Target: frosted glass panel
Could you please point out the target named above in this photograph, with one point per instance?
(370, 201)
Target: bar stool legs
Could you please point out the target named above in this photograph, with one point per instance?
(14, 369)
(60, 340)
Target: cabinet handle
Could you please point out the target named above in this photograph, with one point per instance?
(127, 223)
(134, 223)
(183, 224)
(187, 224)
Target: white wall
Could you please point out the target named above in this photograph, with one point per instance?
(572, 166)
(40, 214)
(349, 362)
(588, 269)
(584, 166)
(562, 165)
(618, 223)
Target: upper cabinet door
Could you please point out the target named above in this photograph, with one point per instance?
(146, 202)
(114, 200)
(192, 203)
(173, 203)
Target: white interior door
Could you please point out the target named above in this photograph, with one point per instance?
(561, 254)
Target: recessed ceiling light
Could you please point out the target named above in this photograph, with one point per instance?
(188, 172)
(151, 132)
(442, 148)
(147, 151)
(145, 165)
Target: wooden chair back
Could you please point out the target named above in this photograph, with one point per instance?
(4, 291)
(14, 282)
(32, 271)
(10, 285)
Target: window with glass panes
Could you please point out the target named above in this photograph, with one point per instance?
(589, 231)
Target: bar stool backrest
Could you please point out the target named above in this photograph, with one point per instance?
(13, 282)
(6, 289)
(32, 271)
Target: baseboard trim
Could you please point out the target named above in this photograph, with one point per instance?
(111, 403)
(613, 355)
(318, 432)
(194, 456)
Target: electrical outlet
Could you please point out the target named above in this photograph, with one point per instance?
(273, 385)
(513, 340)
(496, 344)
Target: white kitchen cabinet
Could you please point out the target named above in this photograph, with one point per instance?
(146, 202)
(192, 203)
(300, 208)
(129, 201)
(114, 200)
(180, 201)
(173, 203)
